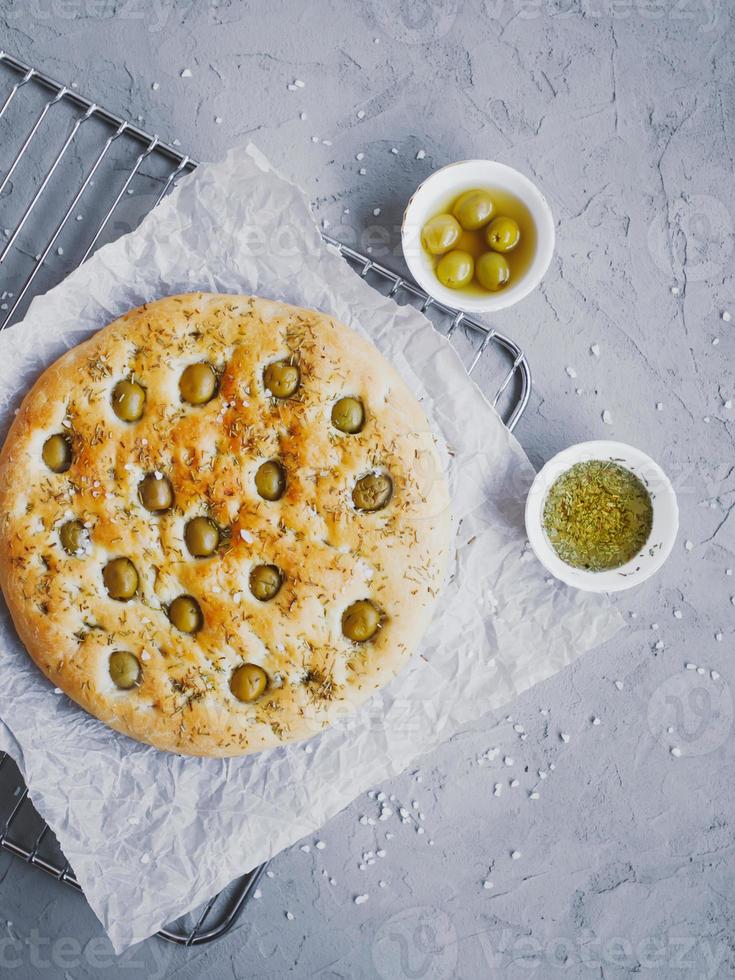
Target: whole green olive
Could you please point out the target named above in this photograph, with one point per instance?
(492, 271)
(440, 233)
(248, 682)
(198, 383)
(155, 492)
(473, 209)
(120, 578)
(360, 621)
(56, 453)
(372, 491)
(270, 480)
(502, 234)
(73, 536)
(282, 379)
(348, 415)
(185, 613)
(265, 581)
(455, 269)
(124, 669)
(202, 537)
(128, 400)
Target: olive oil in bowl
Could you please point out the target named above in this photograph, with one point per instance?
(597, 515)
(509, 262)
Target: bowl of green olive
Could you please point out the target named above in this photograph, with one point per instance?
(478, 235)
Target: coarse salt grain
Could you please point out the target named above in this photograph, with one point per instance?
(186, 73)
(607, 417)
(564, 736)
(515, 855)
(421, 154)
(289, 916)
(361, 899)
(618, 685)
(487, 885)
(675, 751)
(571, 372)
(678, 614)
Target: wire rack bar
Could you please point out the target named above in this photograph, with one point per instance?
(42, 851)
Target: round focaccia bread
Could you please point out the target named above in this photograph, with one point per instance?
(185, 687)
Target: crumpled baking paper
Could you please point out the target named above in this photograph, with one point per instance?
(151, 835)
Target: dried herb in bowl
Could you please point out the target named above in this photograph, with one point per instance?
(598, 515)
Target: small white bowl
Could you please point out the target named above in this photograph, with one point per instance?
(663, 532)
(450, 182)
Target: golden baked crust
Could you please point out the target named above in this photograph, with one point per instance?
(330, 553)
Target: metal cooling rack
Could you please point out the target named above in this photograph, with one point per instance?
(105, 175)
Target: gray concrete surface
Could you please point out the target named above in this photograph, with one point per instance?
(624, 112)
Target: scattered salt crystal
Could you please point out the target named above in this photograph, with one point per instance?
(59, 251)
(596, 720)
(659, 406)
(688, 545)
(360, 113)
(186, 73)
(305, 848)
(363, 820)
(571, 372)
(497, 789)
(564, 736)
(718, 637)
(380, 853)
(727, 404)
(726, 316)
(362, 171)
(618, 685)
(707, 419)
(420, 830)
(216, 589)
(302, 115)
(155, 86)
(678, 614)
(415, 804)
(382, 884)
(552, 766)
(715, 341)
(57, 690)
(508, 761)
(675, 751)
(515, 855)
(714, 675)
(376, 211)
(361, 899)
(690, 666)
(518, 728)
(270, 874)
(394, 150)
(595, 350)
(145, 858)
(289, 916)
(675, 290)
(257, 893)
(326, 142)
(487, 884)
(533, 795)
(728, 571)
(513, 783)
(700, 671)
(607, 417)
(314, 139)
(359, 156)
(380, 797)
(218, 120)
(320, 845)
(421, 154)
(659, 644)
(654, 626)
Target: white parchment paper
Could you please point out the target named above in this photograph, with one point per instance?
(150, 835)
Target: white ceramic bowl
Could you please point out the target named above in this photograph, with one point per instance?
(450, 182)
(663, 532)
